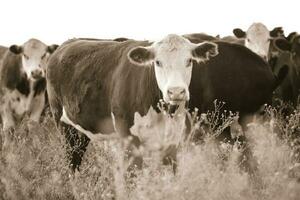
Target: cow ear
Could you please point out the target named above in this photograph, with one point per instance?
(52, 48)
(16, 49)
(277, 31)
(239, 33)
(141, 56)
(282, 44)
(204, 51)
(291, 36)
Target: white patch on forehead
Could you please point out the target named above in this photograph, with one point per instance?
(257, 39)
(34, 44)
(172, 43)
(258, 30)
(173, 51)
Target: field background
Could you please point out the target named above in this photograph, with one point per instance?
(34, 166)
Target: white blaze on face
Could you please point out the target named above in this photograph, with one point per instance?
(173, 59)
(173, 67)
(258, 39)
(34, 58)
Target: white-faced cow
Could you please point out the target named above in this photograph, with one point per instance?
(258, 38)
(88, 81)
(22, 81)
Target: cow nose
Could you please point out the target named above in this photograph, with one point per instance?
(265, 58)
(37, 74)
(176, 94)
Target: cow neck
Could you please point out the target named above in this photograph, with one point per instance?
(148, 92)
(25, 95)
(24, 85)
(39, 86)
(30, 88)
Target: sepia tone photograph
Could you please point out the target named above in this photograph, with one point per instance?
(149, 100)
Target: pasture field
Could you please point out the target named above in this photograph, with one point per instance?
(34, 166)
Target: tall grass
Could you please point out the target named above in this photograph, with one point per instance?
(34, 165)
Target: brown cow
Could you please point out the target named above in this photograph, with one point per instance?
(90, 81)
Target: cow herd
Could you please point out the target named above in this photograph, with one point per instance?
(96, 86)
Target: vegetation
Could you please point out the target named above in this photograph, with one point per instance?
(34, 165)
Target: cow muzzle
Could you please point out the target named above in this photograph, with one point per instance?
(176, 95)
(37, 74)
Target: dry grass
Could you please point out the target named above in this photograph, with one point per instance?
(34, 166)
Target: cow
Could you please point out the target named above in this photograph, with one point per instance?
(241, 79)
(22, 81)
(89, 83)
(289, 55)
(203, 36)
(257, 38)
(289, 90)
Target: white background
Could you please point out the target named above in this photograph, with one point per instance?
(54, 21)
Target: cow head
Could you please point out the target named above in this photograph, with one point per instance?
(34, 57)
(290, 44)
(173, 58)
(258, 37)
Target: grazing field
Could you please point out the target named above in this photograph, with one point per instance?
(34, 166)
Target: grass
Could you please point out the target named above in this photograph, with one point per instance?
(34, 165)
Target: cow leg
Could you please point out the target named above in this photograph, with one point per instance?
(170, 157)
(232, 136)
(7, 118)
(247, 161)
(55, 107)
(8, 125)
(122, 128)
(75, 144)
(242, 141)
(37, 107)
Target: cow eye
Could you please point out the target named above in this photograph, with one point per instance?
(189, 62)
(25, 56)
(158, 63)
